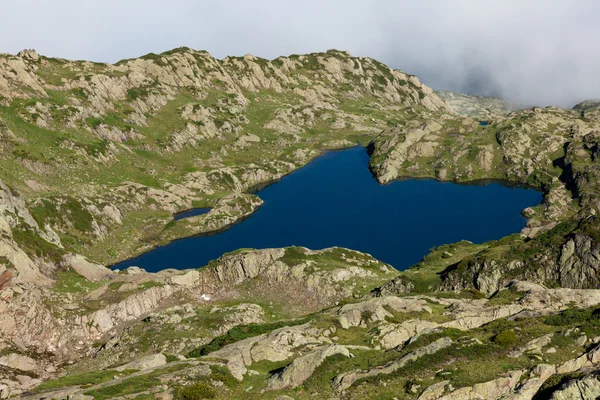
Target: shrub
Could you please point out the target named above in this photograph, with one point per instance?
(196, 392)
(571, 316)
(506, 338)
(222, 373)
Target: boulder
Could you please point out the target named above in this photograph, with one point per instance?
(18, 362)
(89, 270)
(584, 388)
(492, 390)
(4, 391)
(188, 279)
(142, 364)
(377, 310)
(303, 367)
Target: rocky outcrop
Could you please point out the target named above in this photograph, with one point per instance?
(18, 362)
(279, 345)
(579, 263)
(132, 308)
(316, 285)
(144, 363)
(491, 390)
(345, 380)
(241, 314)
(534, 346)
(575, 266)
(90, 271)
(395, 335)
(403, 144)
(465, 315)
(13, 212)
(303, 367)
(376, 309)
(586, 387)
(239, 267)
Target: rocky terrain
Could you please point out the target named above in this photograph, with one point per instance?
(482, 107)
(591, 104)
(96, 159)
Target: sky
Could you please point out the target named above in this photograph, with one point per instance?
(526, 51)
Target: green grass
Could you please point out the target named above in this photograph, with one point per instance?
(506, 338)
(70, 281)
(85, 379)
(573, 316)
(33, 244)
(134, 384)
(427, 274)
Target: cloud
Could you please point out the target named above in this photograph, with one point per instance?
(533, 52)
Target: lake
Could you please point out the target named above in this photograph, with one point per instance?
(335, 201)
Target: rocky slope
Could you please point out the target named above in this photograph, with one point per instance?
(96, 159)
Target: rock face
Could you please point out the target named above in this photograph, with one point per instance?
(238, 268)
(575, 265)
(15, 219)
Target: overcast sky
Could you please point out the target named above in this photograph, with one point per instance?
(529, 51)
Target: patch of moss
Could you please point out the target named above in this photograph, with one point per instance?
(507, 337)
(197, 391)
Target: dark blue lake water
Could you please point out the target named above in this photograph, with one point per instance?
(335, 201)
(191, 213)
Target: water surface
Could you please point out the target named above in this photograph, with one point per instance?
(335, 201)
(190, 213)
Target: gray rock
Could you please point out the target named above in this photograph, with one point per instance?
(142, 364)
(303, 367)
(347, 379)
(585, 388)
(18, 362)
(4, 391)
